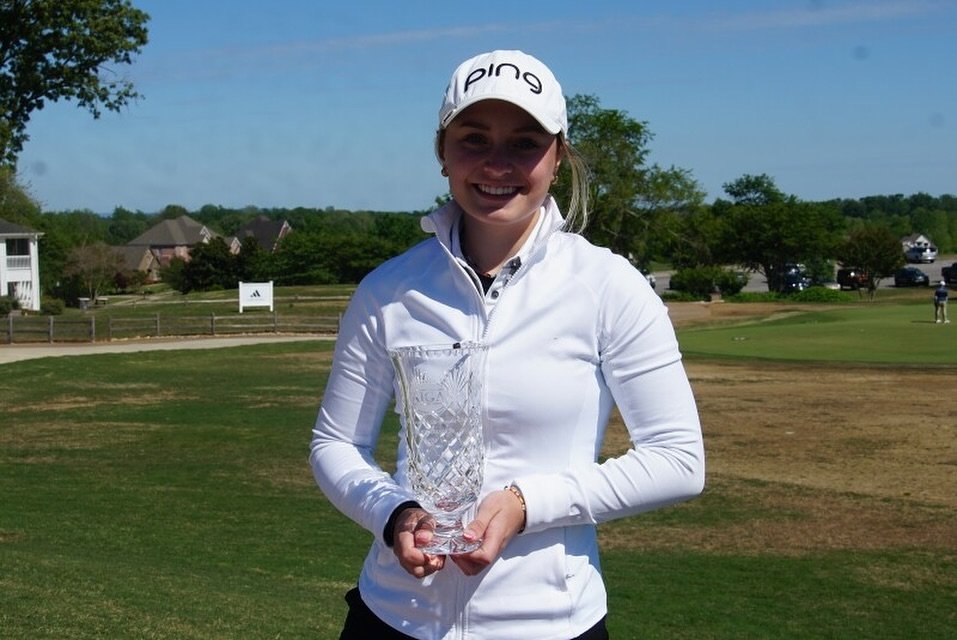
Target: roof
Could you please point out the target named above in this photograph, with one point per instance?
(265, 230)
(183, 231)
(135, 257)
(11, 229)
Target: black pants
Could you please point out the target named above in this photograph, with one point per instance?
(362, 624)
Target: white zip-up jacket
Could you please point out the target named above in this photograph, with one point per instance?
(572, 332)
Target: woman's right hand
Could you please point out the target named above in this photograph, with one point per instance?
(413, 529)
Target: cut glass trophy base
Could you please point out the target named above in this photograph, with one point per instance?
(449, 542)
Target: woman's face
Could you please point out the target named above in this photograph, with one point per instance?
(500, 164)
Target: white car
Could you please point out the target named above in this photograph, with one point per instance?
(922, 254)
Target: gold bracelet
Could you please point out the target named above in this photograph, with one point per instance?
(521, 498)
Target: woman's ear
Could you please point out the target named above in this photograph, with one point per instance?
(440, 146)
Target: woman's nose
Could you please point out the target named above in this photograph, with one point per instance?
(499, 161)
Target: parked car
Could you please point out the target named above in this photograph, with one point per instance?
(921, 254)
(949, 275)
(911, 277)
(794, 281)
(790, 277)
(852, 278)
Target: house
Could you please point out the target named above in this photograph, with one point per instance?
(918, 248)
(20, 264)
(267, 232)
(915, 240)
(140, 258)
(173, 238)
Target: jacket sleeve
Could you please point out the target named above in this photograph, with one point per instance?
(357, 395)
(641, 366)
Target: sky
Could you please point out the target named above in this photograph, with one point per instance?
(298, 103)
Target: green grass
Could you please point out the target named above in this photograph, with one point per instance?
(167, 495)
(299, 300)
(870, 333)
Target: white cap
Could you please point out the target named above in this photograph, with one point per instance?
(512, 76)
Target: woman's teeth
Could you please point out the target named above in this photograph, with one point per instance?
(497, 191)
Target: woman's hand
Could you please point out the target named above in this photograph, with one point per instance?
(500, 517)
(413, 529)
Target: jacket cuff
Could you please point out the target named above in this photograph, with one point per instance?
(548, 502)
(388, 532)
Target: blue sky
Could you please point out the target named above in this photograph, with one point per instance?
(316, 104)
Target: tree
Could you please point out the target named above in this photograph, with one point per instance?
(210, 266)
(94, 266)
(53, 50)
(628, 198)
(16, 204)
(125, 225)
(874, 249)
(754, 190)
(765, 230)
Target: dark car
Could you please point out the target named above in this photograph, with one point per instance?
(852, 278)
(794, 281)
(910, 277)
(949, 274)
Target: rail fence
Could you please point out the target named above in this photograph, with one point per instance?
(24, 329)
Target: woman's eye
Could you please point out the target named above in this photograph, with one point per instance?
(526, 144)
(474, 139)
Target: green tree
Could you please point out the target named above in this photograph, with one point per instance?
(53, 50)
(16, 204)
(124, 225)
(696, 239)
(210, 266)
(628, 197)
(252, 261)
(873, 248)
(764, 229)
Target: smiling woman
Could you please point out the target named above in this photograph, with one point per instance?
(571, 330)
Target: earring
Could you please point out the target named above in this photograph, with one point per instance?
(445, 171)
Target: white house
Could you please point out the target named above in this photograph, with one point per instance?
(19, 264)
(915, 240)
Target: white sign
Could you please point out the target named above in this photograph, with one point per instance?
(255, 294)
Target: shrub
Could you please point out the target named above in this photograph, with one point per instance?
(701, 282)
(8, 304)
(682, 296)
(52, 306)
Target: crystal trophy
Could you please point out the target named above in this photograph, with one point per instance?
(441, 398)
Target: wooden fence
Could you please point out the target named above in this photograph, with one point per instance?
(23, 329)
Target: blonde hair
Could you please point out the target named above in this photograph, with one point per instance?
(576, 215)
(577, 211)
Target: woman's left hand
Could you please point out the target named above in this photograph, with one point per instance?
(499, 518)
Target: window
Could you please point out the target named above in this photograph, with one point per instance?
(18, 247)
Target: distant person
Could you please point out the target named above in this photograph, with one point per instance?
(572, 330)
(940, 303)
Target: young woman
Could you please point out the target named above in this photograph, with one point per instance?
(572, 331)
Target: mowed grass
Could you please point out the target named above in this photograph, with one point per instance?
(167, 495)
(869, 333)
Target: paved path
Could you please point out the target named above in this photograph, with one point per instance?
(16, 352)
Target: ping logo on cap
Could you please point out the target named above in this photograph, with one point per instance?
(530, 79)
